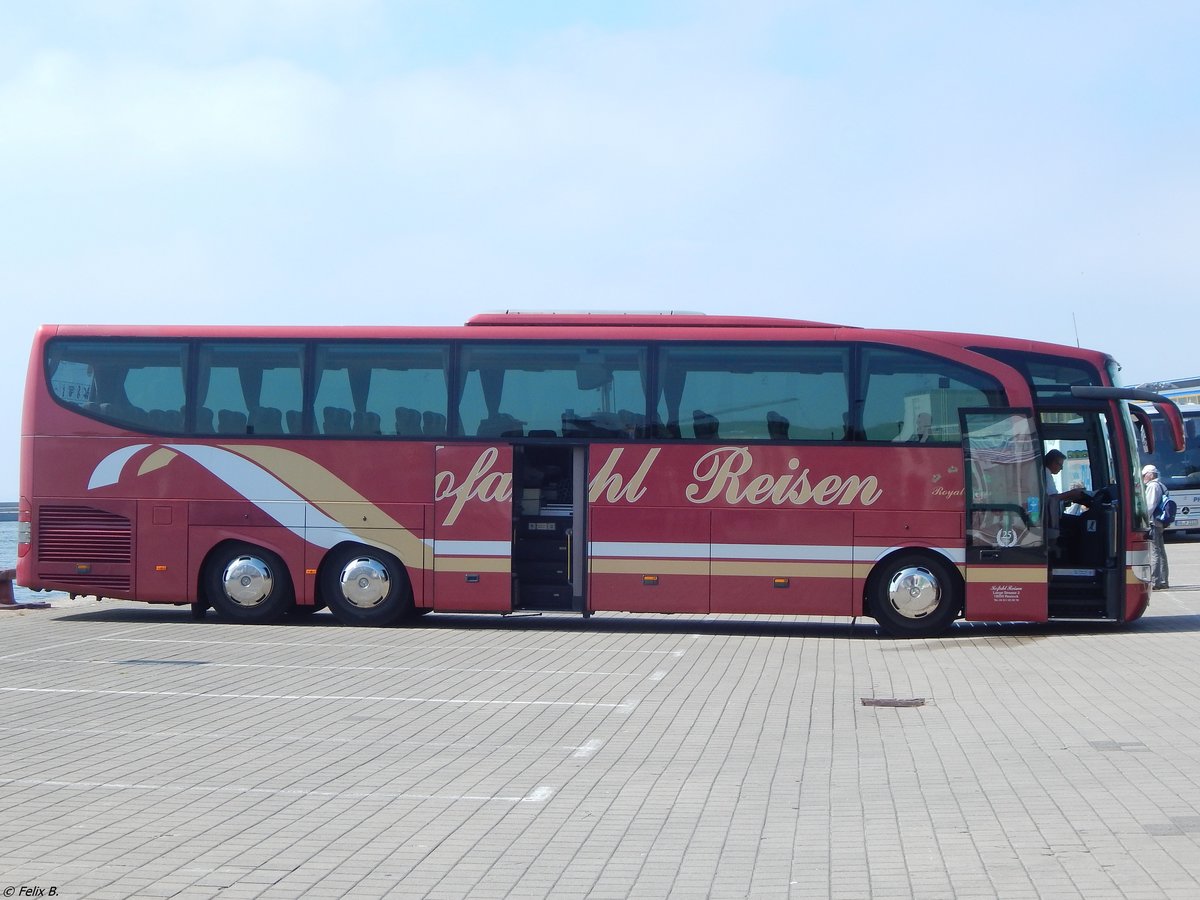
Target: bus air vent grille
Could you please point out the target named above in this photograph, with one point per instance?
(74, 534)
(93, 584)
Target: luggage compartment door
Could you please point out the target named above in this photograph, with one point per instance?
(473, 521)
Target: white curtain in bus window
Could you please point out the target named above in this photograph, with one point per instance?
(1003, 476)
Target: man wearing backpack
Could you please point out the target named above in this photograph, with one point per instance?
(1155, 492)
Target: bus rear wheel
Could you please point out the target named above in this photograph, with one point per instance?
(915, 595)
(365, 586)
(248, 584)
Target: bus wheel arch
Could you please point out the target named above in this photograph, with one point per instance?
(914, 592)
(246, 583)
(364, 585)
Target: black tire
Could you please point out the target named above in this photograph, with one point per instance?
(365, 586)
(249, 584)
(915, 595)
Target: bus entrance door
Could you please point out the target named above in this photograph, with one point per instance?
(548, 546)
(1005, 541)
(1087, 578)
(472, 528)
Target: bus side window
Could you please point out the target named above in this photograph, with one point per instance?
(908, 395)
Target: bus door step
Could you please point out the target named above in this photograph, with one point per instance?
(543, 596)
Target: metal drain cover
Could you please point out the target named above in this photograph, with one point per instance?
(888, 701)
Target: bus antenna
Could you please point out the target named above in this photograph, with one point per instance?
(1076, 324)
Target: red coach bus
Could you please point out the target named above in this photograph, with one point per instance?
(660, 463)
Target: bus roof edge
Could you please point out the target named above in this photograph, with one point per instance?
(664, 318)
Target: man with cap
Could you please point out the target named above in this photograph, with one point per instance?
(1158, 551)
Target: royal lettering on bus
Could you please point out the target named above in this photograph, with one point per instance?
(947, 492)
(721, 474)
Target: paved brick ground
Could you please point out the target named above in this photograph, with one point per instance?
(148, 755)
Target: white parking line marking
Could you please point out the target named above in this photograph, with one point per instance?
(291, 738)
(382, 699)
(589, 749)
(20, 653)
(398, 648)
(537, 795)
(221, 665)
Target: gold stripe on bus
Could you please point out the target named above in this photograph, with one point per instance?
(472, 564)
(791, 569)
(645, 566)
(992, 574)
(648, 567)
(312, 480)
(1131, 577)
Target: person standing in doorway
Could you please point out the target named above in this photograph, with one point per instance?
(1158, 550)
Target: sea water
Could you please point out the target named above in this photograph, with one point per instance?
(8, 560)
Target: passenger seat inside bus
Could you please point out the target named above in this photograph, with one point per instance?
(123, 412)
(704, 425)
(295, 421)
(367, 423)
(166, 419)
(204, 420)
(777, 426)
(632, 424)
(408, 420)
(500, 425)
(337, 420)
(267, 420)
(231, 421)
(434, 424)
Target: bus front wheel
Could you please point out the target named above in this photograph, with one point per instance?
(364, 586)
(248, 584)
(915, 595)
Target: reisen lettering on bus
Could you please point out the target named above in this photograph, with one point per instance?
(719, 475)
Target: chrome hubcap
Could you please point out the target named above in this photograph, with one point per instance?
(365, 582)
(247, 581)
(914, 592)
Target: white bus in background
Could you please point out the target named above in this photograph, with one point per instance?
(1181, 390)
(1180, 472)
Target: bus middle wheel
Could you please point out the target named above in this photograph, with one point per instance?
(364, 586)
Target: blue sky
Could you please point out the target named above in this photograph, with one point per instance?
(1016, 168)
